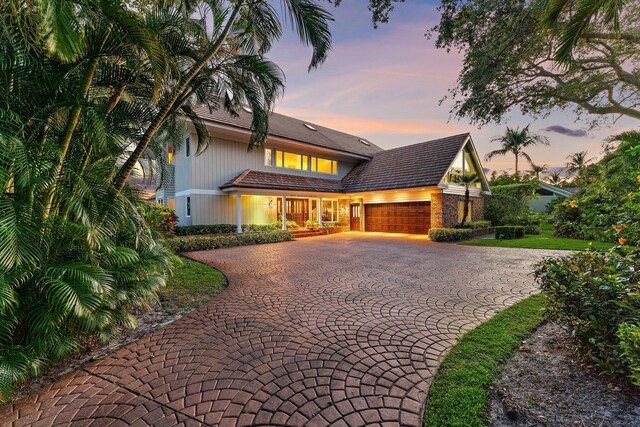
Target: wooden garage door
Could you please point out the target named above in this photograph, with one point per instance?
(410, 217)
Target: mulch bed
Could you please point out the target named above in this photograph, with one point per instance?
(547, 384)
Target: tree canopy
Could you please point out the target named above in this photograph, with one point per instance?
(510, 60)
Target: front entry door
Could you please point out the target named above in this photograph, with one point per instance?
(355, 217)
(297, 210)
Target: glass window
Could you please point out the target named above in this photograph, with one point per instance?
(268, 161)
(278, 159)
(292, 161)
(188, 207)
(314, 166)
(305, 163)
(171, 203)
(325, 166)
(170, 155)
(187, 147)
(329, 210)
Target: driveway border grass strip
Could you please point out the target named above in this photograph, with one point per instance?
(459, 392)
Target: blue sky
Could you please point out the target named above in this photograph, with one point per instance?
(386, 85)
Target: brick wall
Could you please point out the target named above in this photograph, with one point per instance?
(436, 210)
(343, 206)
(450, 209)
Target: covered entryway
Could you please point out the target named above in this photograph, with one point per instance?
(409, 217)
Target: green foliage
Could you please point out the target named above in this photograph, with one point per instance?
(331, 224)
(160, 218)
(507, 232)
(188, 244)
(508, 204)
(594, 293)
(477, 224)
(459, 392)
(196, 230)
(508, 60)
(532, 229)
(514, 141)
(449, 234)
(310, 223)
(629, 336)
(290, 224)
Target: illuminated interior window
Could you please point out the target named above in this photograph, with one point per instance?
(461, 210)
(171, 203)
(268, 161)
(292, 161)
(170, 155)
(325, 166)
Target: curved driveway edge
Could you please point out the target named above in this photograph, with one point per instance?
(346, 329)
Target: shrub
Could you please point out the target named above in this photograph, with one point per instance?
(508, 204)
(160, 218)
(310, 223)
(331, 224)
(290, 224)
(507, 232)
(450, 234)
(187, 244)
(477, 224)
(629, 336)
(253, 228)
(194, 230)
(594, 293)
(532, 229)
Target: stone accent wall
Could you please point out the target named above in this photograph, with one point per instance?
(436, 210)
(362, 228)
(450, 209)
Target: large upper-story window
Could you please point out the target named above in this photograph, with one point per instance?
(464, 166)
(288, 160)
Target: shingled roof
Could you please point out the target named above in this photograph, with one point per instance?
(294, 129)
(280, 181)
(412, 166)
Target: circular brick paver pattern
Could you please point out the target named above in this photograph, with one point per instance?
(344, 330)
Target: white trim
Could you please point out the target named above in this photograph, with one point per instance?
(200, 191)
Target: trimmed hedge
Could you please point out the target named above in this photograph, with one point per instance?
(187, 244)
(477, 224)
(450, 234)
(508, 232)
(195, 230)
(532, 229)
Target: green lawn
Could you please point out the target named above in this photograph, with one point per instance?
(544, 240)
(458, 394)
(192, 285)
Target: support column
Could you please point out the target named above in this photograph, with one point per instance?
(238, 212)
(362, 218)
(320, 211)
(284, 213)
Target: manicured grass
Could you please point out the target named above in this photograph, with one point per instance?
(192, 285)
(458, 394)
(544, 240)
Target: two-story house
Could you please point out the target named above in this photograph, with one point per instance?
(310, 172)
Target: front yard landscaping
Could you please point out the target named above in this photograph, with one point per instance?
(544, 240)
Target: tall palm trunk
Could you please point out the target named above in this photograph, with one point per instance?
(465, 209)
(517, 155)
(129, 164)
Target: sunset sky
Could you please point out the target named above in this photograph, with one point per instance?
(385, 84)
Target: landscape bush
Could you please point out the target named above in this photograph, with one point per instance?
(311, 223)
(629, 336)
(593, 293)
(450, 234)
(532, 229)
(477, 224)
(187, 244)
(160, 218)
(331, 224)
(290, 224)
(508, 232)
(196, 230)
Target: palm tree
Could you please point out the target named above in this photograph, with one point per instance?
(538, 169)
(514, 141)
(467, 180)
(582, 13)
(555, 178)
(577, 163)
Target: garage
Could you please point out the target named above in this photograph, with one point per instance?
(409, 217)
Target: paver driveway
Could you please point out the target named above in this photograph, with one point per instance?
(344, 330)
